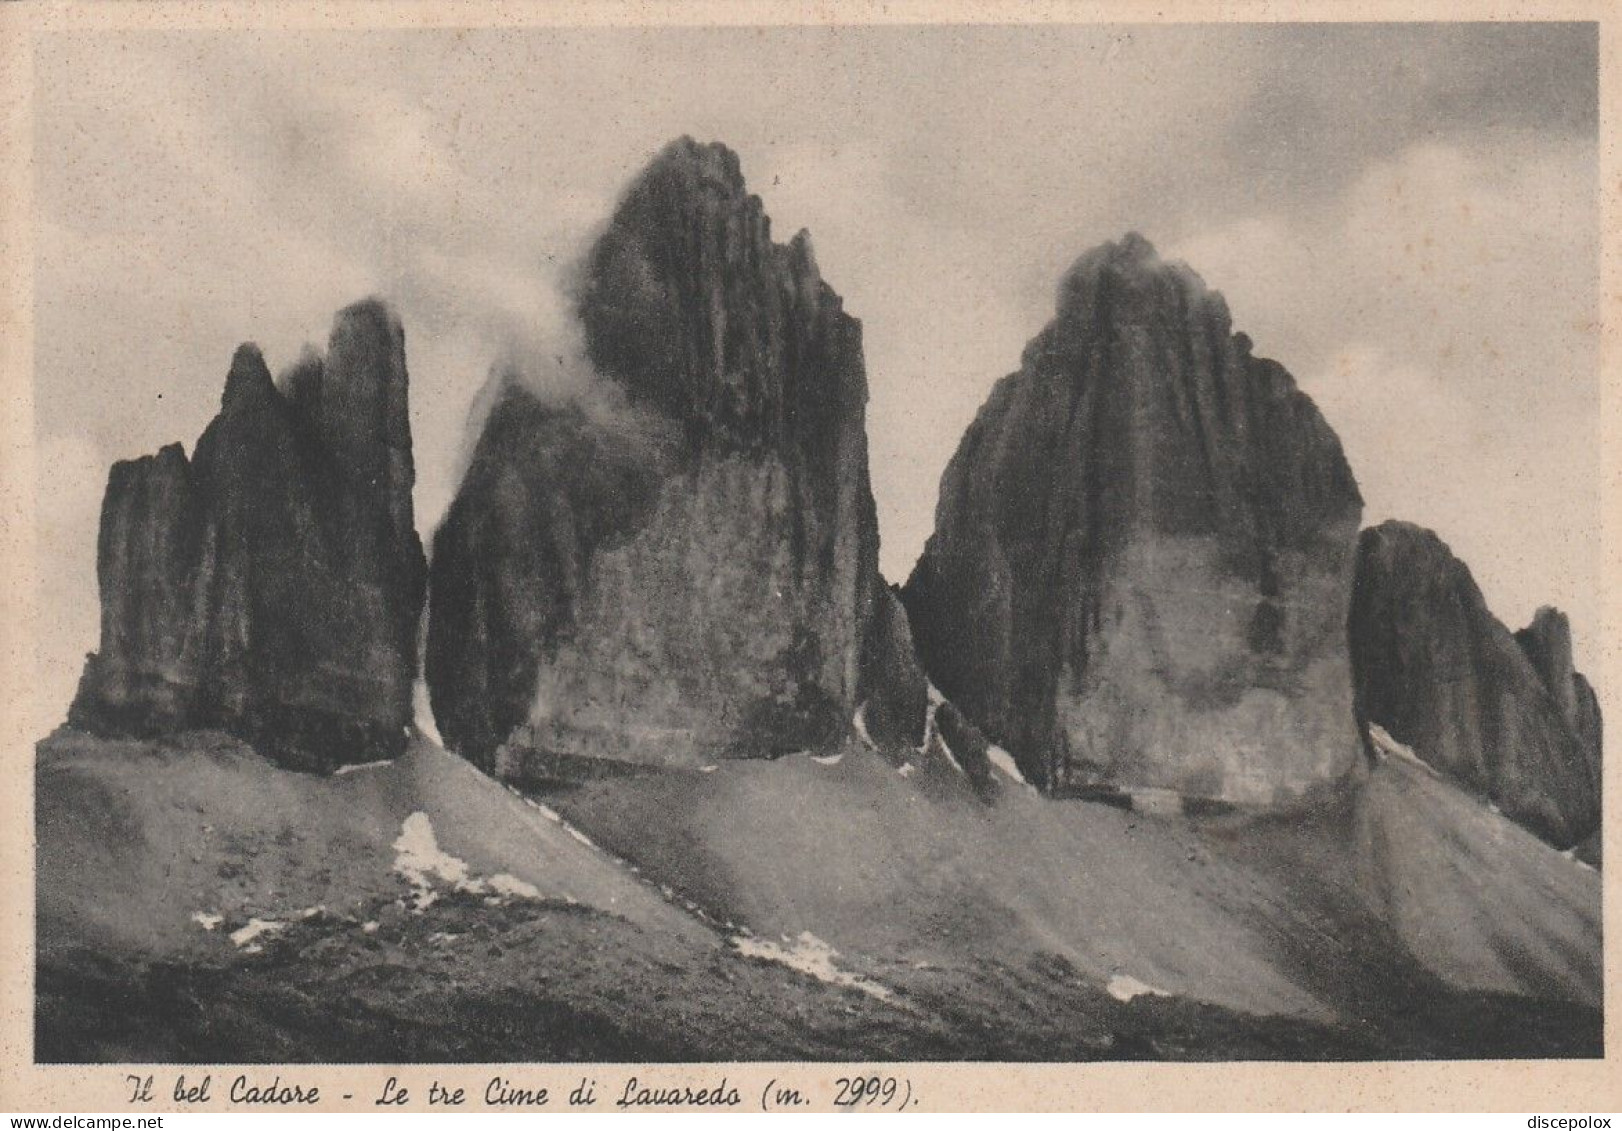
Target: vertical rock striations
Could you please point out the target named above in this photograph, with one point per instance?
(1143, 552)
(1547, 643)
(151, 528)
(273, 586)
(1504, 715)
(548, 485)
(687, 566)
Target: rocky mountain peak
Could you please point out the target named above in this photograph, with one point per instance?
(715, 596)
(1146, 522)
(1547, 643)
(1127, 282)
(1506, 716)
(364, 380)
(688, 303)
(248, 382)
(1130, 257)
(690, 165)
(300, 383)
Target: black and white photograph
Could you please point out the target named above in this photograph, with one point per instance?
(840, 543)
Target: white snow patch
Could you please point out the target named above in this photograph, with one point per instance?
(369, 927)
(207, 919)
(422, 713)
(1124, 987)
(1004, 761)
(933, 731)
(1386, 745)
(552, 815)
(828, 759)
(504, 884)
(1491, 808)
(359, 766)
(546, 811)
(244, 935)
(859, 721)
(929, 728)
(312, 912)
(708, 769)
(1569, 854)
(419, 859)
(809, 955)
(417, 856)
(907, 769)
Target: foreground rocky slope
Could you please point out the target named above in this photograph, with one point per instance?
(272, 585)
(685, 563)
(200, 904)
(1504, 715)
(1142, 552)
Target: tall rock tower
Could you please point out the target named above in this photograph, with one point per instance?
(1143, 549)
(686, 567)
(1505, 715)
(273, 585)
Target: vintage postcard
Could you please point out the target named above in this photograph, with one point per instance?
(781, 558)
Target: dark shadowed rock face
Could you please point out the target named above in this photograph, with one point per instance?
(1590, 851)
(150, 531)
(273, 586)
(688, 568)
(1547, 643)
(1504, 715)
(966, 746)
(1143, 551)
(896, 689)
(547, 487)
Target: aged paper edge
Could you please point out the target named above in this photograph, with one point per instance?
(1551, 1086)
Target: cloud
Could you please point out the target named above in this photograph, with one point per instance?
(1326, 100)
(227, 197)
(1441, 312)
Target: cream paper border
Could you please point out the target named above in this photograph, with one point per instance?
(1553, 1087)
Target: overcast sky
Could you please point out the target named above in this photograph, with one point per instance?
(1406, 217)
